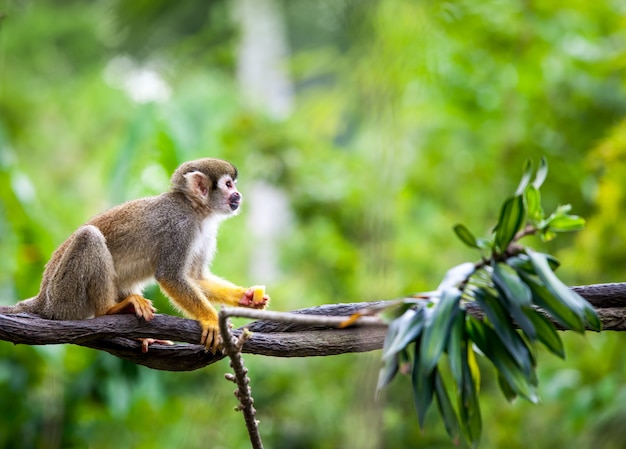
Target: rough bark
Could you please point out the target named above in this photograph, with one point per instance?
(604, 295)
(118, 334)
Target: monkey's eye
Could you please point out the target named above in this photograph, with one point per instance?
(229, 184)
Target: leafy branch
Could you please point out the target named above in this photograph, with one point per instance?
(515, 287)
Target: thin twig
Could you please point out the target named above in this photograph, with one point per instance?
(232, 348)
(302, 318)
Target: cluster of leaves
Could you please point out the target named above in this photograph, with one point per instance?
(516, 288)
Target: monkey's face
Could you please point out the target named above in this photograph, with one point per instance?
(227, 198)
(228, 186)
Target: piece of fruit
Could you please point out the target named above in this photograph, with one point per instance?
(259, 293)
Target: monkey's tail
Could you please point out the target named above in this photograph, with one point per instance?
(28, 305)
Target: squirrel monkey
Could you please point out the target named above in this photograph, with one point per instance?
(102, 267)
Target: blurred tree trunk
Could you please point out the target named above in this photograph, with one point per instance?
(265, 84)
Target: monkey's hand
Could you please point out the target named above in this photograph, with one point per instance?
(255, 298)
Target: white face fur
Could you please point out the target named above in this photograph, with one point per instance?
(230, 197)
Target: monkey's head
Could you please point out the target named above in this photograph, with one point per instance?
(210, 185)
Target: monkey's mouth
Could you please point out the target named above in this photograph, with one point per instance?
(234, 204)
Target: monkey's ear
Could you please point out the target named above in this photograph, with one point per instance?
(196, 185)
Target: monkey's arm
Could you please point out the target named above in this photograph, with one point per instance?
(221, 291)
(190, 299)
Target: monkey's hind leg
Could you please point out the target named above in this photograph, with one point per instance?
(143, 308)
(136, 304)
(79, 281)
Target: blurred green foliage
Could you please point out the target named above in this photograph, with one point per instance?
(409, 117)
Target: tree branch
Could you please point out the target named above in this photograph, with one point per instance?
(604, 295)
(299, 337)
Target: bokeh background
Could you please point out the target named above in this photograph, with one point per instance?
(363, 131)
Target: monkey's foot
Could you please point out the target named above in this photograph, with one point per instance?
(255, 298)
(211, 337)
(136, 304)
(146, 342)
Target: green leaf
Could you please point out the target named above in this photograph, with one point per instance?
(506, 389)
(397, 308)
(522, 262)
(423, 387)
(517, 313)
(484, 243)
(570, 299)
(456, 346)
(488, 342)
(566, 223)
(547, 235)
(546, 332)
(390, 367)
(450, 418)
(508, 280)
(563, 209)
(392, 332)
(466, 236)
(542, 173)
(527, 173)
(510, 222)
(561, 221)
(516, 296)
(456, 276)
(406, 329)
(437, 327)
(591, 318)
(505, 330)
(387, 372)
(405, 363)
(551, 304)
(472, 364)
(532, 199)
(469, 406)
